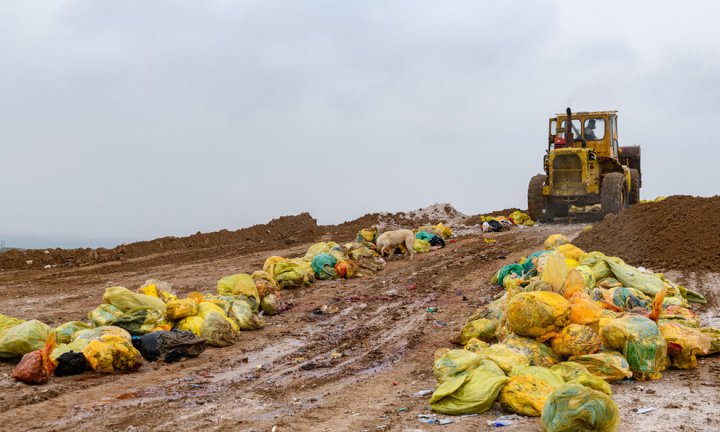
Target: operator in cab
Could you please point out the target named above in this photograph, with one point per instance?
(590, 131)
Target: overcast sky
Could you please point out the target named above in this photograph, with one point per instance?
(131, 120)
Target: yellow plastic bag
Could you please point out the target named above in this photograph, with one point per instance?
(421, 246)
(471, 393)
(520, 218)
(482, 328)
(573, 372)
(505, 357)
(538, 353)
(684, 344)
(264, 282)
(159, 289)
(714, 334)
(525, 395)
(7, 322)
(269, 265)
(475, 345)
(554, 241)
(554, 379)
(110, 353)
(576, 339)
(608, 365)
(23, 338)
(585, 311)
(554, 271)
(125, 300)
(317, 249)
(244, 317)
(574, 407)
(570, 251)
(450, 363)
(179, 309)
(238, 284)
(536, 314)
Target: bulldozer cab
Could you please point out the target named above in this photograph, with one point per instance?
(584, 165)
(596, 130)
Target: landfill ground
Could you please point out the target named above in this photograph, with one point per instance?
(347, 356)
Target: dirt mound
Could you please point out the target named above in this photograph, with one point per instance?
(681, 232)
(281, 232)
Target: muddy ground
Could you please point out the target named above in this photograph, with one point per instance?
(349, 355)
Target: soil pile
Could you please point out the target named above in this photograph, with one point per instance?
(281, 232)
(680, 232)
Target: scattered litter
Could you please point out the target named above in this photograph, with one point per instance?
(505, 420)
(433, 419)
(489, 240)
(644, 410)
(412, 287)
(424, 392)
(431, 309)
(403, 409)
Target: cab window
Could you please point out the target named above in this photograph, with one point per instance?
(594, 129)
(575, 125)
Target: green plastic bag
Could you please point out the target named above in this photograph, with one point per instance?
(65, 332)
(23, 338)
(323, 266)
(471, 393)
(640, 341)
(576, 408)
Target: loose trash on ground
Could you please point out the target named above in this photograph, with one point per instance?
(568, 324)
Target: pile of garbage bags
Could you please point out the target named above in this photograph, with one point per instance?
(567, 324)
(504, 223)
(154, 324)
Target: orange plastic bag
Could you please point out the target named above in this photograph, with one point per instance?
(36, 367)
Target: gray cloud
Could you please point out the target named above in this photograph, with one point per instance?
(131, 120)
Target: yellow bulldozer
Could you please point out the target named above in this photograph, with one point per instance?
(584, 166)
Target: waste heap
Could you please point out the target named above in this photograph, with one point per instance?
(569, 323)
(152, 323)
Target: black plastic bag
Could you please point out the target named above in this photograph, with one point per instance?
(70, 363)
(170, 346)
(437, 241)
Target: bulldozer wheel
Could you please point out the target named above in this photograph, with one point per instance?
(613, 195)
(536, 200)
(634, 186)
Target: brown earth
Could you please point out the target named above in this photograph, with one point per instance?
(288, 376)
(680, 233)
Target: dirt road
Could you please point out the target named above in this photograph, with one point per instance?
(349, 355)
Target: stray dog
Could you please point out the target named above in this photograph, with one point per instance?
(388, 241)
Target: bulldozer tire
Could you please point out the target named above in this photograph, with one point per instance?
(536, 200)
(613, 195)
(634, 186)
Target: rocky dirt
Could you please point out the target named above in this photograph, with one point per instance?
(348, 355)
